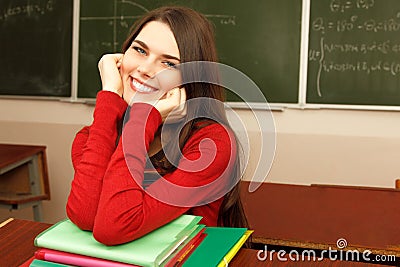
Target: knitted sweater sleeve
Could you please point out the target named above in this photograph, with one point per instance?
(78, 144)
(91, 151)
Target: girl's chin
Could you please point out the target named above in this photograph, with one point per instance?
(128, 97)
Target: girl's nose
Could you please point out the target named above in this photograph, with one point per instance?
(147, 69)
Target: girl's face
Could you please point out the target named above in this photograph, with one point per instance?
(153, 51)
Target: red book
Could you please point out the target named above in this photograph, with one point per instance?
(185, 251)
(190, 250)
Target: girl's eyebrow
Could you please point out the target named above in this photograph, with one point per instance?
(144, 45)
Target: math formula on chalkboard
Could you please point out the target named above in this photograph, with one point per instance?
(354, 52)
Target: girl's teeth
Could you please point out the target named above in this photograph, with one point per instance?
(141, 88)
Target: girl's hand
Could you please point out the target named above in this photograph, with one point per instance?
(109, 65)
(173, 107)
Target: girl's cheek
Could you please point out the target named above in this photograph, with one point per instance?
(169, 80)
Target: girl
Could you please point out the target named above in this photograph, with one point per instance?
(113, 193)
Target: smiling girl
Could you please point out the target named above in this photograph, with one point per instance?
(130, 182)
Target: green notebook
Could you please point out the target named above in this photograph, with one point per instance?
(215, 246)
(149, 250)
(40, 263)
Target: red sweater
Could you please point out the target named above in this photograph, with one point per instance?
(106, 195)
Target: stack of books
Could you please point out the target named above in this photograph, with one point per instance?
(182, 242)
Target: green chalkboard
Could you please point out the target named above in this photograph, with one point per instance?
(354, 52)
(260, 38)
(35, 47)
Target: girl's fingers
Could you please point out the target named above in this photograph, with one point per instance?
(110, 75)
(177, 99)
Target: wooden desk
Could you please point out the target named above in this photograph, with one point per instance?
(23, 177)
(17, 236)
(316, 217)
(16, 241)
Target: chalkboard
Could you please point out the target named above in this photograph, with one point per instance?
(354, 52)
(35, 47)
(260, 38)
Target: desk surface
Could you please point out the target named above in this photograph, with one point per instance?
(10, 153)
(16, 246)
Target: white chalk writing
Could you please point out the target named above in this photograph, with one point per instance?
(353, 39)
(27, 10)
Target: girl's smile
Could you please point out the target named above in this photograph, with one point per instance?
(141, 87)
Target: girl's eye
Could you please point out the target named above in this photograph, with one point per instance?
(139, 50)
(170, 64)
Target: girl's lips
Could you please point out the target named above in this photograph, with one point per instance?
(141, 87)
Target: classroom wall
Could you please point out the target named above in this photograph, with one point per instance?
(346, 147)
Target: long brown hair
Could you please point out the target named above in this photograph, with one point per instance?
(194, 35)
